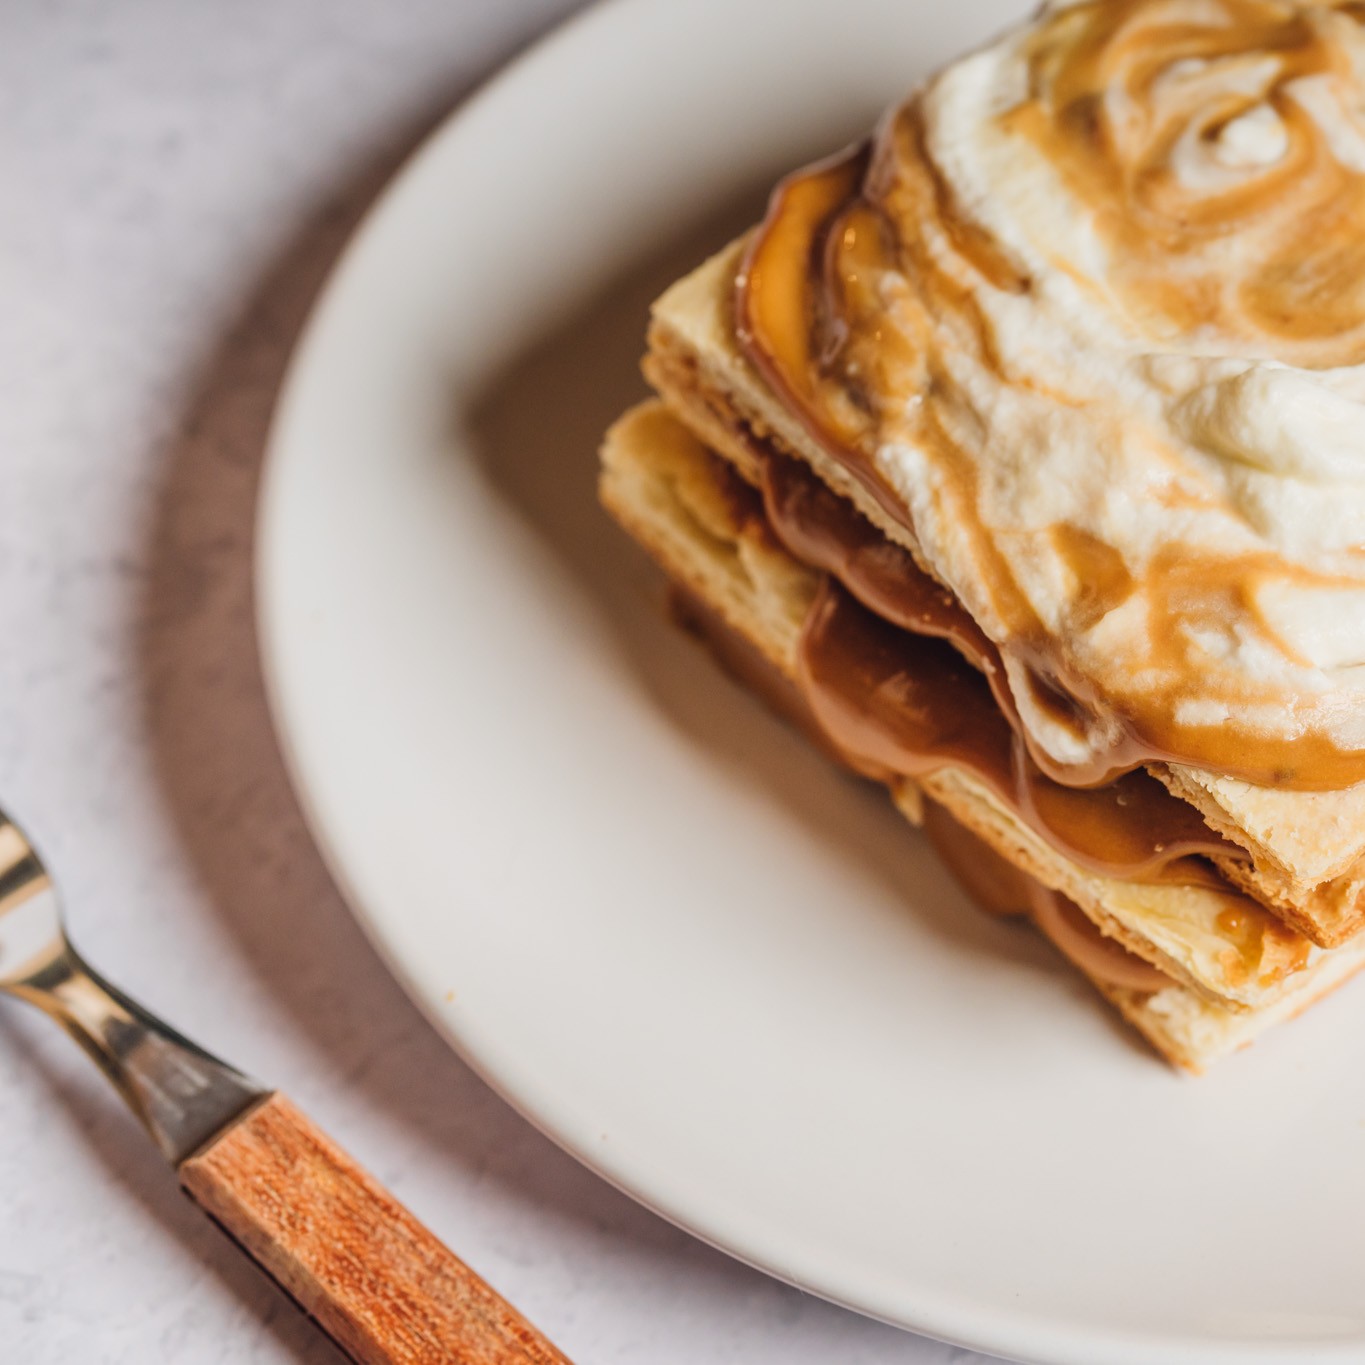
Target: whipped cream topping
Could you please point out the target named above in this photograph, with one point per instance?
(1113, 365)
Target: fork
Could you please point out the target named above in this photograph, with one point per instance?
(374, 1279)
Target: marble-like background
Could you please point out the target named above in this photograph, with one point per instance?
(177, 180)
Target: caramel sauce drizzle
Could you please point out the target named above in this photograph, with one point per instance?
(896, 704)
(839, 288)
(1303, 291)
(1129, 827)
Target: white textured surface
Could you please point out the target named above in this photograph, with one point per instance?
(177, 181)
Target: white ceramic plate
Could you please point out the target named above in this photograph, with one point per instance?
(731, 981)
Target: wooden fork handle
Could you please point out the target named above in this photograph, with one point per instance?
(376, 1281)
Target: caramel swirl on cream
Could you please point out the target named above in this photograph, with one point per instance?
(1216, 150)
(1088, 319)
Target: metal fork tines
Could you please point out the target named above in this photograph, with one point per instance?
(182, 1094)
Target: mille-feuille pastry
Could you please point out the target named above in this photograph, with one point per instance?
(739, 587)
(1053, 397)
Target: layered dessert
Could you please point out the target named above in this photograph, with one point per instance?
(1019, 456)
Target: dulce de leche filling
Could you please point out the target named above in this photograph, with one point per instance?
(1126, 501)
(902, 682)
(1001, 888)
